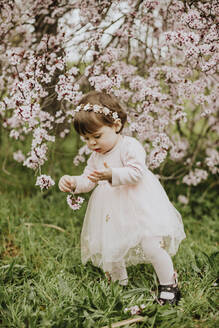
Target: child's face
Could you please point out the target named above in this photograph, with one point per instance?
(103, 140)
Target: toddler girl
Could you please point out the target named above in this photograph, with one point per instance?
(129, 218)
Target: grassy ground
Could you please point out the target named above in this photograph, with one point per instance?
(44, 284)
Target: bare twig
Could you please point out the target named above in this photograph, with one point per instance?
(45, 225)
(125, 322)
(3, 167)
(212, 185)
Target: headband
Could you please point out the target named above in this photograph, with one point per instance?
(97, 109)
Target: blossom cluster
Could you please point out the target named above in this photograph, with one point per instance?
(67, 88)
(135, 309)
(44, 181)
(74, 203)
(212, 160)
(19, 156)
(82, 154)
(195, 177)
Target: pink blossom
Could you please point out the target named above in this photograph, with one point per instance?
(195, 177)
(157, 156)
(74, 203)
(64, 133)
(101, 82)
(19, 156)
(162, 141)
(44, 181)
(14, 134)
(179, 150)
(39, 135)
(37, 157)
(80, 158)
(135, 309)
(212, 160)
(183, 199)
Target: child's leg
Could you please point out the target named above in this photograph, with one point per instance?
(168, 289)
(160, 260)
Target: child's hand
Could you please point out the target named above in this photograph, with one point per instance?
(106, 174)
(67, 183)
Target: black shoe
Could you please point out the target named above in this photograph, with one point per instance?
(168, 294)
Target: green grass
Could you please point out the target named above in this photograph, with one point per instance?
(44, 284)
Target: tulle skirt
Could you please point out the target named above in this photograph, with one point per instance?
(119, 218)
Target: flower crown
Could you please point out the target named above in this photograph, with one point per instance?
(97, 109)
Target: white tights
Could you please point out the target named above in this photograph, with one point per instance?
(159, 258)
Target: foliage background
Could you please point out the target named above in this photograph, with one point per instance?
(42, 281)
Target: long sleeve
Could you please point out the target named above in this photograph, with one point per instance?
(83, 184)
(133, 158)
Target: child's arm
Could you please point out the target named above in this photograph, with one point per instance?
(133, 158)
(79, 184)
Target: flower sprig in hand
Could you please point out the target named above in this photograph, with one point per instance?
(67, 184)
(73, 202)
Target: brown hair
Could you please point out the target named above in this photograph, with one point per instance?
(89, 122)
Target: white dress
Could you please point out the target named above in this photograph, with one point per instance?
(122, 213)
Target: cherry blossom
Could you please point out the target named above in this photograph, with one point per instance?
(44, 181)
(212, 160)
(73, 202)
(195, 177)
(19, 156)
(183, 199)
(135, 309)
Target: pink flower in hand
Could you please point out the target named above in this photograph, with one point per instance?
(74, 203)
